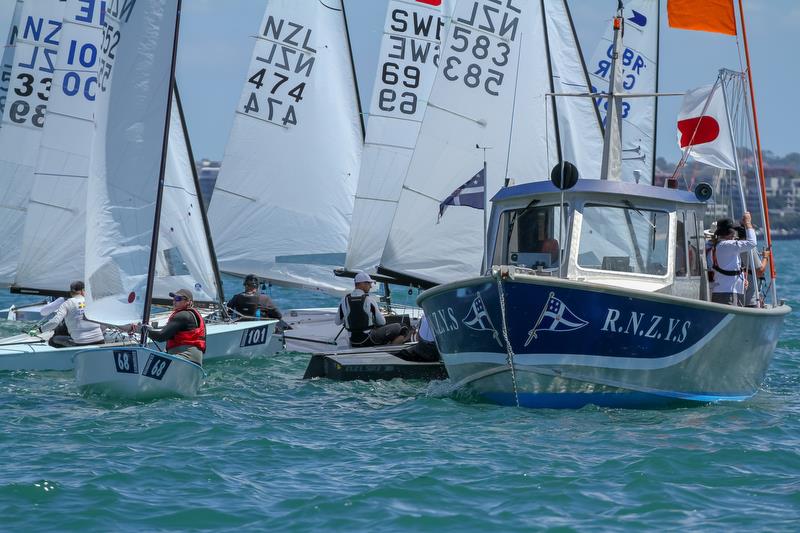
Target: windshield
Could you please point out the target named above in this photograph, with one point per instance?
(529, 237)
(624, 239)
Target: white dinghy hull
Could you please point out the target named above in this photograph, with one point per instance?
(223, 341)
(135, 372)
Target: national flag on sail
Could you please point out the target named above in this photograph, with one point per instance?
(555, 316)
(478, 318)
(707, 15)
(703, 127)
(471, 194)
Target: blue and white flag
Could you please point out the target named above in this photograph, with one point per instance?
(478, 319)
(555, 316)
(471, 194)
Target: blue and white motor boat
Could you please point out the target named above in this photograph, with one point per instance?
(629, 328)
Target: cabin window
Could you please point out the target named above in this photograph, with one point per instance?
(696, 244)
(624, 239)
(529, 237)
(681, 255)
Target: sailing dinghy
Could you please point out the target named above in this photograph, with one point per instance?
(125, 190)
(53, 249)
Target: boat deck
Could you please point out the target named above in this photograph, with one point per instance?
(370, 364)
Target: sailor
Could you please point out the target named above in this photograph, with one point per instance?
(724, 261)
(79, 331)
(185, 331)
(361, 316)
(424, 350)
(250, 305)
(753, 290)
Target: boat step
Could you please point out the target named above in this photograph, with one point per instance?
(369, 366)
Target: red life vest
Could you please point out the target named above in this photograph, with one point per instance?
(194, 337)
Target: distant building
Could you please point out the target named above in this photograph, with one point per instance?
(207, 172)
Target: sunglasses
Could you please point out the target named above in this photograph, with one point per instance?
(178, 298)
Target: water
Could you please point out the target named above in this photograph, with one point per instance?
(261, 449)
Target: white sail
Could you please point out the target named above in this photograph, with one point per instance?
(409, 58)
(126, 157)
(639, 75)
(579, 127)
(55, 226)
(283, 201)
(184, 257)
(8, 55)
(53, 241)
(491, 91)
(32, 71)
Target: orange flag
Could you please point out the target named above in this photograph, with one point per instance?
(703, 15)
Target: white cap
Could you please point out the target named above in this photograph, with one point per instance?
(363, 277)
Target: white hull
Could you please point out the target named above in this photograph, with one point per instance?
(224, 341)
(135, 372)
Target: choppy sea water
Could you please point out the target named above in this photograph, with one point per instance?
(261, 449)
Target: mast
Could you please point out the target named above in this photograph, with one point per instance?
(203, 214)
(611, 142)
(353, 69)
(761, 175)
(559, 155)
(655, 103)
(151, 268)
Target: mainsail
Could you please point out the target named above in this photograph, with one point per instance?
(124, 175)
(55, 226)
(8, 55)
(52, 253)
(499, 66)
(32, 72)
(409, 58)
(639, 75)
(283, 201)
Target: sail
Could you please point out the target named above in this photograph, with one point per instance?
(491, 91)
(409, 58)
(52, 254)
(32, 72)
(8, 55)
(184, 257)
(639, 75)
(283, 200)
(579, 126)
(132, 107)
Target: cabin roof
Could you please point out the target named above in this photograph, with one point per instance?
(628, 190)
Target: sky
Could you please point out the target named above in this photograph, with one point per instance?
(216, 44)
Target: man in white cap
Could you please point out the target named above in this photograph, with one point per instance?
(361, 316)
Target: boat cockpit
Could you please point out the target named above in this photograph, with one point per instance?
(610, 233)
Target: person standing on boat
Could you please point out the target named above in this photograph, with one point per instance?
(724, 261)
(185, 331)
(361, 316)
(250, 305)
(753, 291)
(79, 331)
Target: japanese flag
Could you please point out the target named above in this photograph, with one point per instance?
(703, 127)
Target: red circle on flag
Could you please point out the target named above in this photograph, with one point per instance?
(698, 130)
(131, 297)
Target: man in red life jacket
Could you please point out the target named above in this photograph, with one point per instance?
(185, 331)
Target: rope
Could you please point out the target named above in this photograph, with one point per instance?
(509, 349)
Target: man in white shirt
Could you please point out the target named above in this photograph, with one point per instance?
(81, 331)
(360, 314)
(724, 261)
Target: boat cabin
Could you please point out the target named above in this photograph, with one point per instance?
(605, 232)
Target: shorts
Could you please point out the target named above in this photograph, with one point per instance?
(192, 353)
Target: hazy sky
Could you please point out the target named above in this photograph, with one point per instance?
(216, 43)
